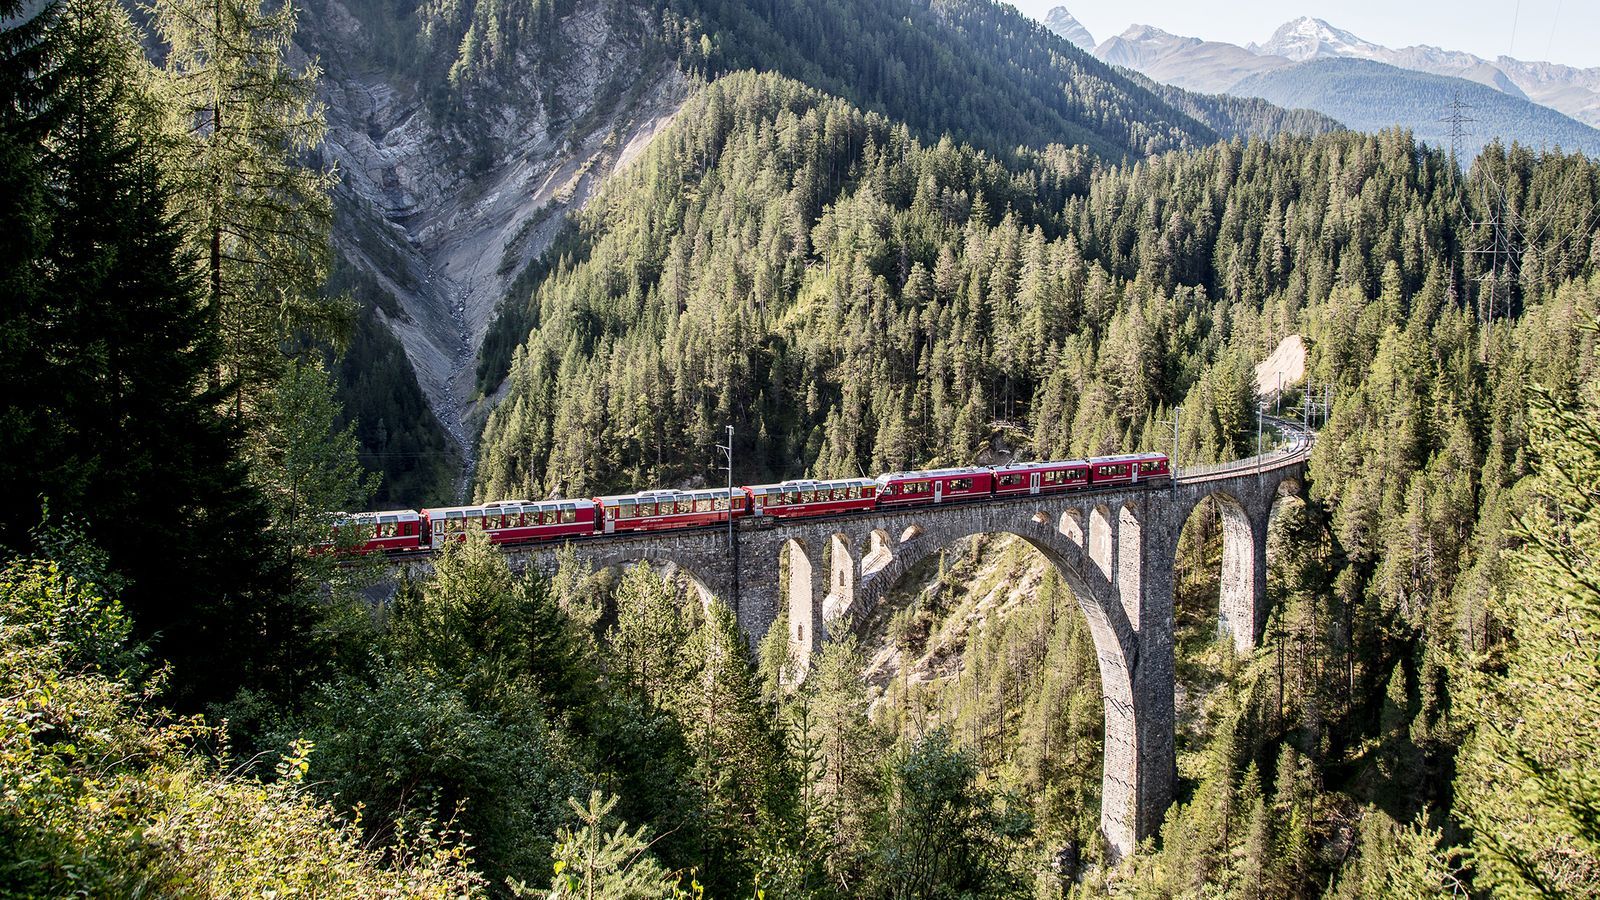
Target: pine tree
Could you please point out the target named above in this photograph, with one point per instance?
(245, 123)
(135, 449)
(1527, 785)
(594, 864)
(305, 468)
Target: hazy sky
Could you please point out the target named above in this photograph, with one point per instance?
(1565, 31)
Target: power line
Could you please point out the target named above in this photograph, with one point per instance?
(1514, 18)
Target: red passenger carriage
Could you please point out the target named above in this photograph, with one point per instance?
(657, 510)
(511, 521)
(1130, 469)
(934, 486)
(1041, 477)
(374, 532)
(813, 498)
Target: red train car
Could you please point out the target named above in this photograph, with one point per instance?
(657, 510)
(1041, 477)
(374, 532)
(934, 486)
(813, 498)
(1130, 468)
(511, 521)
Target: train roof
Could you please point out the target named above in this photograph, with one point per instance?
(1128, 457)
(1041, 464)
(808, 484)
(935, 473)
(659, 496)
(501, 507)
(384, 516)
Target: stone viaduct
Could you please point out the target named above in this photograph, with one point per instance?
(1114, 548)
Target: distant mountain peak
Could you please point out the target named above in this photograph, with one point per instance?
(1138, 33)
(1064, 24)
(1312, 38)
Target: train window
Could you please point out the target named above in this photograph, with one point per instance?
(868, 491)
(916, 487)
(685, 506)
(808, 496)
(720, 504)
(961, 484)
(568, 516)
(738, 502)
(853, 492)
(548, 517)
(1009, 480)
(702, 506)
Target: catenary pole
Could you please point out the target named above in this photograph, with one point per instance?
(729, 450)
(1177, 412)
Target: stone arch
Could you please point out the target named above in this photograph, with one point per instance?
(804, 591)
(878, 552)
(911, 533)
(625, 557)
(1138, 760)
(840, 600)
(1100, 545)
(1071, 526)
(1240, 612)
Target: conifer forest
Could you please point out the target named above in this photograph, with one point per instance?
(870, 236)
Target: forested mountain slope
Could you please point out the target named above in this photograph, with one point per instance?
(464, 131)
(854, 300)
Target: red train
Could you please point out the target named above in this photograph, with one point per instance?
(522, 521)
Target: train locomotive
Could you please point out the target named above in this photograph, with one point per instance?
(525, 521)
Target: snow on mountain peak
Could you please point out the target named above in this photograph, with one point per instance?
(1064, 24)
(1310, 38)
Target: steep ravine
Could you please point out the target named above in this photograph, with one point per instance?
(444, 225)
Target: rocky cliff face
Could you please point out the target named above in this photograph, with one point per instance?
(444, 201)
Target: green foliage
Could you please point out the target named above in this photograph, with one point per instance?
(305, 468)
(944, 835)
(1527, 787)
(853, 299)
(106, 797)
(258, 217)
(108, 420)
(403, 746)
(595, 865)
(1004, 80)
